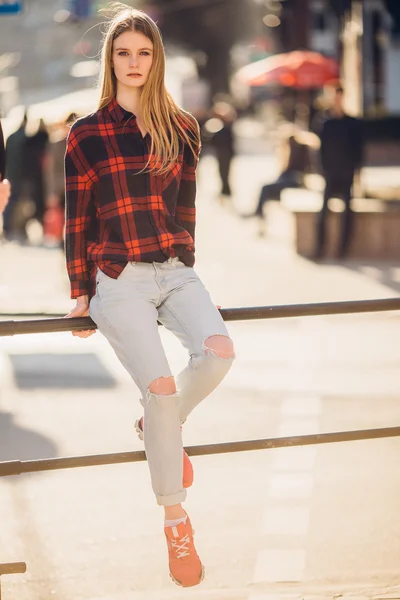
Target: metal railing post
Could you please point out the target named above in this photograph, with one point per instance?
(11, 569)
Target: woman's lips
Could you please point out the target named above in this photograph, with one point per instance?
(134, 75)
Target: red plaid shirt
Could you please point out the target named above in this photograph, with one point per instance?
(114, 214)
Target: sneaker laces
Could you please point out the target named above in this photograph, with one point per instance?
(180, 546)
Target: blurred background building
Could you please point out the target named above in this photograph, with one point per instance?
(51, 47)
(49, 55)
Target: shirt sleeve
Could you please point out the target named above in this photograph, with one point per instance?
(79, 212)
(186, 203)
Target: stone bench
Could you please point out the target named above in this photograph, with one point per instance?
(376, 224)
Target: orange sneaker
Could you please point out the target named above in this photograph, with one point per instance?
(188, 475)
(185, 566)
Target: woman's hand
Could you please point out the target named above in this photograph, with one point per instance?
(81, 310)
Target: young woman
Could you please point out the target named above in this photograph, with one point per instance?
(130, 195)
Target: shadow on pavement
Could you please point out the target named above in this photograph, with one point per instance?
(60, 371)
(386, 273)
(18, 443)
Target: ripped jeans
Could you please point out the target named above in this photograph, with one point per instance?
(126, 311)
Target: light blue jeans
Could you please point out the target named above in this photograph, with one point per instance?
(126, 311)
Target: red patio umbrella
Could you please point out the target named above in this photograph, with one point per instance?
(300, 69)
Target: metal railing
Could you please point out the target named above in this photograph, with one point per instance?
(12, 327)
(17, 467)
(11, 569)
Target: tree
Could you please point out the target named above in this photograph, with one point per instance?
(295, 26)
(209, 26)
(340, 7)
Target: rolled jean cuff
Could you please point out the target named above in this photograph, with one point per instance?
(172, 499)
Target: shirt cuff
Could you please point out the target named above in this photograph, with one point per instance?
(79, 288)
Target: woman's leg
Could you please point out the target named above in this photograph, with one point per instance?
(125, 311)
(191, 315)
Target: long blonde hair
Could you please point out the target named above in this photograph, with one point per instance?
(166, 122)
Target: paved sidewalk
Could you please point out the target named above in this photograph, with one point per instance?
(33, 278)
(95, 533)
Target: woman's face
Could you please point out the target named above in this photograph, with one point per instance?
(132, 58)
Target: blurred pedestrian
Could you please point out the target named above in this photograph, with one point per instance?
(296, 162)
(14, 223)
(220, 131)
(341, 158)
(130, 200)
(53, 222)
(4, 184)
(34, 168)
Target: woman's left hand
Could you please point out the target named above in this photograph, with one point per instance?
(81, 310)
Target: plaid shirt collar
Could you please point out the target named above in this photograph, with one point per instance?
(118, 113)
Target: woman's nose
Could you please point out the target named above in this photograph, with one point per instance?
(133, 61)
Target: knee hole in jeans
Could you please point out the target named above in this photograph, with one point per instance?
(219, 345)
(163, 386)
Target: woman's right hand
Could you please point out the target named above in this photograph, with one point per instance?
(81, 310)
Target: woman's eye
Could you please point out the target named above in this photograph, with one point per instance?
(144, 53)
(123, 53)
